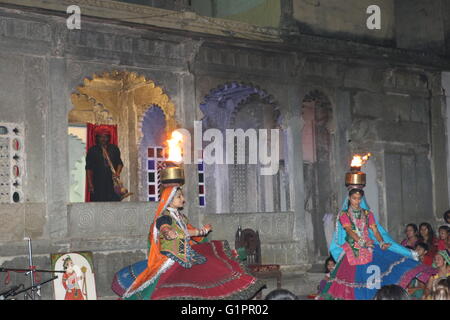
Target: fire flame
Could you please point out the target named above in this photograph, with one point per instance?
(359, 160)
(174, 145)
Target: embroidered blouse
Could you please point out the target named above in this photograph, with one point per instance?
(179, 248)
(359, 223)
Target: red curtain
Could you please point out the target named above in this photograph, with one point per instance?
(90, 142)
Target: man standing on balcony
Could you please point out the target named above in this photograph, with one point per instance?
(98, 168)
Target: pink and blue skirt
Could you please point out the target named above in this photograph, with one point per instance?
(361, 282)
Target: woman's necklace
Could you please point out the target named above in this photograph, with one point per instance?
(357, 212)
(179, 219)
(356, 215)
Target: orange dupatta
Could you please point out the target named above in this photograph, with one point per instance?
(155, 258)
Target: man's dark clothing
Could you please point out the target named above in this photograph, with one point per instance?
(102, 174)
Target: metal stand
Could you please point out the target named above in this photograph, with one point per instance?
(35, 289)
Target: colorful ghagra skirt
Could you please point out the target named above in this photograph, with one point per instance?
(361, 282)
(222, 276)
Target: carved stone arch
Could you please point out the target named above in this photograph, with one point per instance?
(321, 100)
(149, 96)
(256, 97)
(87, 109)
(241, 93)
(106, 90)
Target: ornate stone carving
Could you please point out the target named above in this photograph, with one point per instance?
(23, 29)
(86, 219)
(245, 60)
(101, 99)
(221, 105)
(361, 131)
(59, 40)
(91, 221)
(36, 83)
(402, 79)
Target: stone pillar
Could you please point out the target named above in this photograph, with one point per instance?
(186, 113)
(288, 24)
(127, 127)
(56, 153)
(294, 125)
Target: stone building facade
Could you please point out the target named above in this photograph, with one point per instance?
(330, 96)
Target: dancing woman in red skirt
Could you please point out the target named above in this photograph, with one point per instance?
(181, 264)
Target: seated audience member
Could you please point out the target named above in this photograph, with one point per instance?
(448, 244)
(441, 291)
(281, 294)
(422, 251)
(447, 218)
(392, 292)
(428, 236)
(329, 266)
(412, 236)
(444, 231)
(442, 264)
(416, 289)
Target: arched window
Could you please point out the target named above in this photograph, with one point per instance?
(240, 187)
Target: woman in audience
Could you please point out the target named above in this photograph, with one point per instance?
(442, 264)
(416, 288)
(428, 237)
(412, 236)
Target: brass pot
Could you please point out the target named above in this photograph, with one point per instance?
(355, 178)
(172, 175)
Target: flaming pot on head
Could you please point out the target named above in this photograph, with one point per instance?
(356, 178)
(173, 173)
